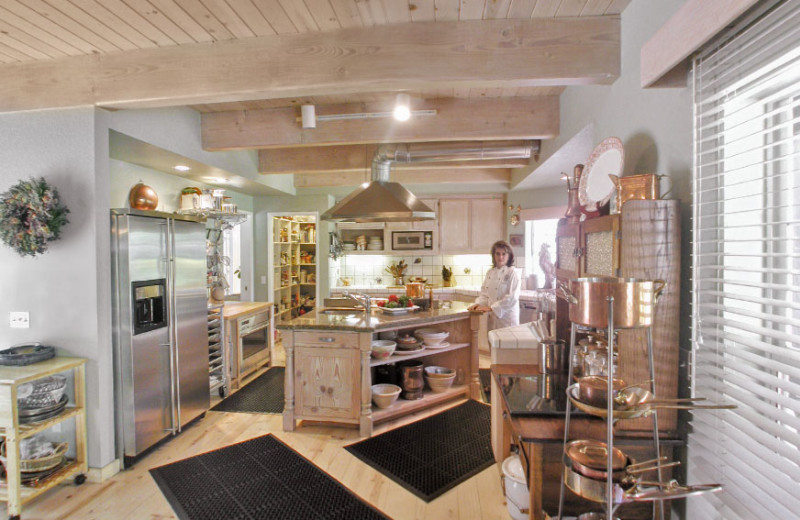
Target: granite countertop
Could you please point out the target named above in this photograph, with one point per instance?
(442, 292)
(378, 321)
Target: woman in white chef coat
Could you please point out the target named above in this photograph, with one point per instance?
(500, 290)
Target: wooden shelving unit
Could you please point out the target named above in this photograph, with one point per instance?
(12, 491)
(294, 268)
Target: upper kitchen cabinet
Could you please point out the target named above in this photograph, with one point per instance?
(588, 248)
(470, 225)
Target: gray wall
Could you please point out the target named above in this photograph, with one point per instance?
(67, 289)
(655, 126)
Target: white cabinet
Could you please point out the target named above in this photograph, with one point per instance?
(470, 225)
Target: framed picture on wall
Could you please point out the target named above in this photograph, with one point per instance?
(516, 240)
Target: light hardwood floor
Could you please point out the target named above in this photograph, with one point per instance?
(133, 495)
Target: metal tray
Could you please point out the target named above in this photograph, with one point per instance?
(41, 414)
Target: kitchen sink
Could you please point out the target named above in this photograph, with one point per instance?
(341, 310)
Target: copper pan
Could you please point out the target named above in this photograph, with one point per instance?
(634, 301)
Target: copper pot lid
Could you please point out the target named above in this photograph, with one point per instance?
(594, 454)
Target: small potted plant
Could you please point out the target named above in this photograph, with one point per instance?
(448, 280)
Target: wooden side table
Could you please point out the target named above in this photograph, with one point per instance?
(12, 491)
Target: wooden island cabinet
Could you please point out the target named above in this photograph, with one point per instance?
(329, 367)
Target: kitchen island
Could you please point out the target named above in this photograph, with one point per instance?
(329, 369)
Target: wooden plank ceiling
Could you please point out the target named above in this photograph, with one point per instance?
(492, 69)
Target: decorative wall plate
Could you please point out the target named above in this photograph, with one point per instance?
(595, 187)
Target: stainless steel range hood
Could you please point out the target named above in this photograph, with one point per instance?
(383, 201)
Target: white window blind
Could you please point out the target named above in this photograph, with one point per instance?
(746, 269)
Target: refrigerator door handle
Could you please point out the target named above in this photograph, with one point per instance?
(171, 429)
(176, 380)
(173, 344)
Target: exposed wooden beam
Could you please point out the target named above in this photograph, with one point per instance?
(481, 53)
(664, 56)
(358, 158)
(456, 120)
(472, 176)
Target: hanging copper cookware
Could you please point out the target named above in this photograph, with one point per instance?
(590, 458)
(634, 301)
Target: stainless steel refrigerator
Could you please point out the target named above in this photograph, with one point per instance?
(158, 266)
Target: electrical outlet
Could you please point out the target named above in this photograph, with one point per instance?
(19, 320)
(263, 280)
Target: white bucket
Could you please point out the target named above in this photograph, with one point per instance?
(517, 494)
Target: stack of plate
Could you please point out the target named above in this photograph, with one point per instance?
(375, 244)
(348, 246)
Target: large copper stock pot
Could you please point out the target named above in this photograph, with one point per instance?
(634, 301)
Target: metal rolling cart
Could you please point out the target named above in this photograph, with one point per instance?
(619, 482)
(218, 372)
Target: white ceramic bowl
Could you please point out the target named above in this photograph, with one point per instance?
(439, 372)
(383, 395)
(383, 348)
(431, 336)
(440, 384)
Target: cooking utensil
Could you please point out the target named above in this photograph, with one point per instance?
(594, 389)
(553, 356)
(415, 289)
(642, 410)
(591, 488)
(634, 300)
(590, 458)
(667, 491)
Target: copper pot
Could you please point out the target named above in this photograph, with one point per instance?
(415, 289)
(590, 458)
(634, 301)
(593, 390)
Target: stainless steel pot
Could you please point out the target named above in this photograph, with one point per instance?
(634, 301)
(553, 357)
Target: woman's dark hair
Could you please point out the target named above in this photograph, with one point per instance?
(502, 244)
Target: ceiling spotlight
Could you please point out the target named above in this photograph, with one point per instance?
(220, 180)
(402, 107)
(181, 168)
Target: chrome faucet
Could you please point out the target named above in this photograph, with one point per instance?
(362, 299)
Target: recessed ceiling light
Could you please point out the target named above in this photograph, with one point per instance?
(181, 168)
(220, 180)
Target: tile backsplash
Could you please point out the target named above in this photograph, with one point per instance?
(370, 270)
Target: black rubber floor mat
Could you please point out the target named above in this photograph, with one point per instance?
(257, 479)
(261, 395)
(485, 375)
(433, 455)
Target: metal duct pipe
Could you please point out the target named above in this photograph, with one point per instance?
(385, 156)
